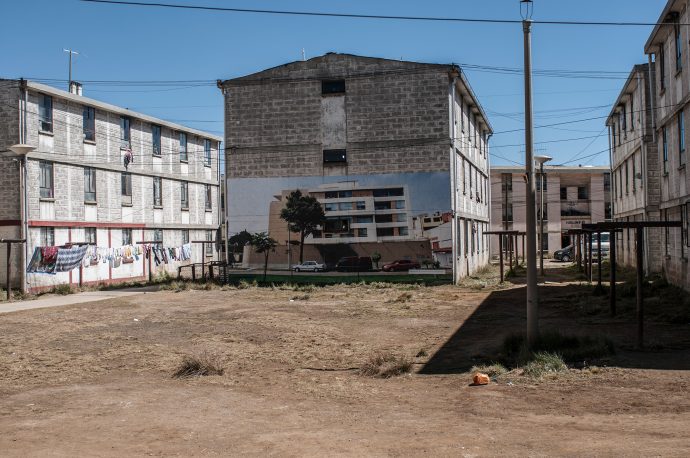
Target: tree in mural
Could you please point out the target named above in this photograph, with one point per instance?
(376, 257)
(262, 243)
(304, 215)
(238, 241)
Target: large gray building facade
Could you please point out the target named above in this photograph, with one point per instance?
(382, 144)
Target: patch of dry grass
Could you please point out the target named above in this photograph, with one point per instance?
(202, 364)
(386, 365)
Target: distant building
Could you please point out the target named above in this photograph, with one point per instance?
(572, 196)
(380, 143)
(104, 175)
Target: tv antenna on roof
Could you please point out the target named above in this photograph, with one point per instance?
(71, 52)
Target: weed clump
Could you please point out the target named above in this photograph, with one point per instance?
(386, 365)
(203, 364)
(544, 363)
(62, 290)
(493, 370)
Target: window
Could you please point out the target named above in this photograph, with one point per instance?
(185, 236)
(662, 68)
(125, 137)
(686, 229)
(362, 232)
(126, 188)
(126, 237)
(156, 139)
(209, 246)
(664, 139)
(158, 235)
(157, 192)
(541, 177)
(632, 111)
(89, 123)
(384, 232)
(346, 206)
(627, 179)
(184, 195)
(208, 198)
(364, 219)
(607, 181)
(620, 180)
(564, 193)
(207, 153)
(681, 136)
(507, 213)
(360, 205)
(613, 130)
(90, 235)
(183, 147)
(607, 210)
(582, 193)
(545, 210)
(465, 232)
(506, 182)
(634, 173)
(46, 185)
(334, 155)
(624, 119)
(389, 192)
(679, 50)
(47, 236)
(330, 207)
(45, 113)
(89, 184)
(333, 87)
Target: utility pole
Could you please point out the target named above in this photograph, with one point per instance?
(70, 51)
(531, 221)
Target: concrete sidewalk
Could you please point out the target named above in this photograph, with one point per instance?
(69, 299)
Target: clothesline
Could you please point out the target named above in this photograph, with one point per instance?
(53, 259)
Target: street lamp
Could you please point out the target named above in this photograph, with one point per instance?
(21, 150)
(541, 160)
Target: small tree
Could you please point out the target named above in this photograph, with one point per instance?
(238, 241)
(304, 214)
(262, 243)
(376, 257)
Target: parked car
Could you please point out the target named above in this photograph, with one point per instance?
(354, 264)
(400, 265)
(309, 266)
(565, 254)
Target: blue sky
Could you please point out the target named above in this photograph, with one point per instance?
(135, 43)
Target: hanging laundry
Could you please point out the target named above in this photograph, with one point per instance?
(128, 157)
(69, 258)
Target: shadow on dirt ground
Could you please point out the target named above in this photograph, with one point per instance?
(575, 308)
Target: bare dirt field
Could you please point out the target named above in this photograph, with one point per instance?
(95, 379)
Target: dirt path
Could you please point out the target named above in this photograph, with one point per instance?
(94, 379)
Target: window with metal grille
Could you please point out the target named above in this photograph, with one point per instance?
(156, 140)
(125, 132)
(47, 236)
(89, 123)
(207, 153)
(185, 236)
(184, 195)
(183, 147)
(157, 192)
(126, 188)
(46, 179)
(90, 235)
(208, 197)
(126, 236)
(45, 113)
(89, 184)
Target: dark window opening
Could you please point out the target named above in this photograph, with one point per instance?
(334, 155)
(333, 87)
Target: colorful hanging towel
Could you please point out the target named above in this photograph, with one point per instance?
(70, 258)
(36, 265)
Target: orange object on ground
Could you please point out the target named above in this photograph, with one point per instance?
(481, 379)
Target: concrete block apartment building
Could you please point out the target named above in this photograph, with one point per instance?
(386, 146)
(103, 175)
(572, 196)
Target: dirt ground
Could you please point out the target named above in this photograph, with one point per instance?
(95, 379)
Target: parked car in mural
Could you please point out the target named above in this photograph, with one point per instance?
(400, 265)
(309, 266)
(565, 254)
(354, 264)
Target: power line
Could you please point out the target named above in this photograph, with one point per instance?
(373, 16)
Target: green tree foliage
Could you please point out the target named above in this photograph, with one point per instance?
(304, 215)
(262, 243)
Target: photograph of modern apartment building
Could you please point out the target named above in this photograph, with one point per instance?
(572, 196)
(635, 167)
(103, 175)
(669, 56)
(381, 143)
